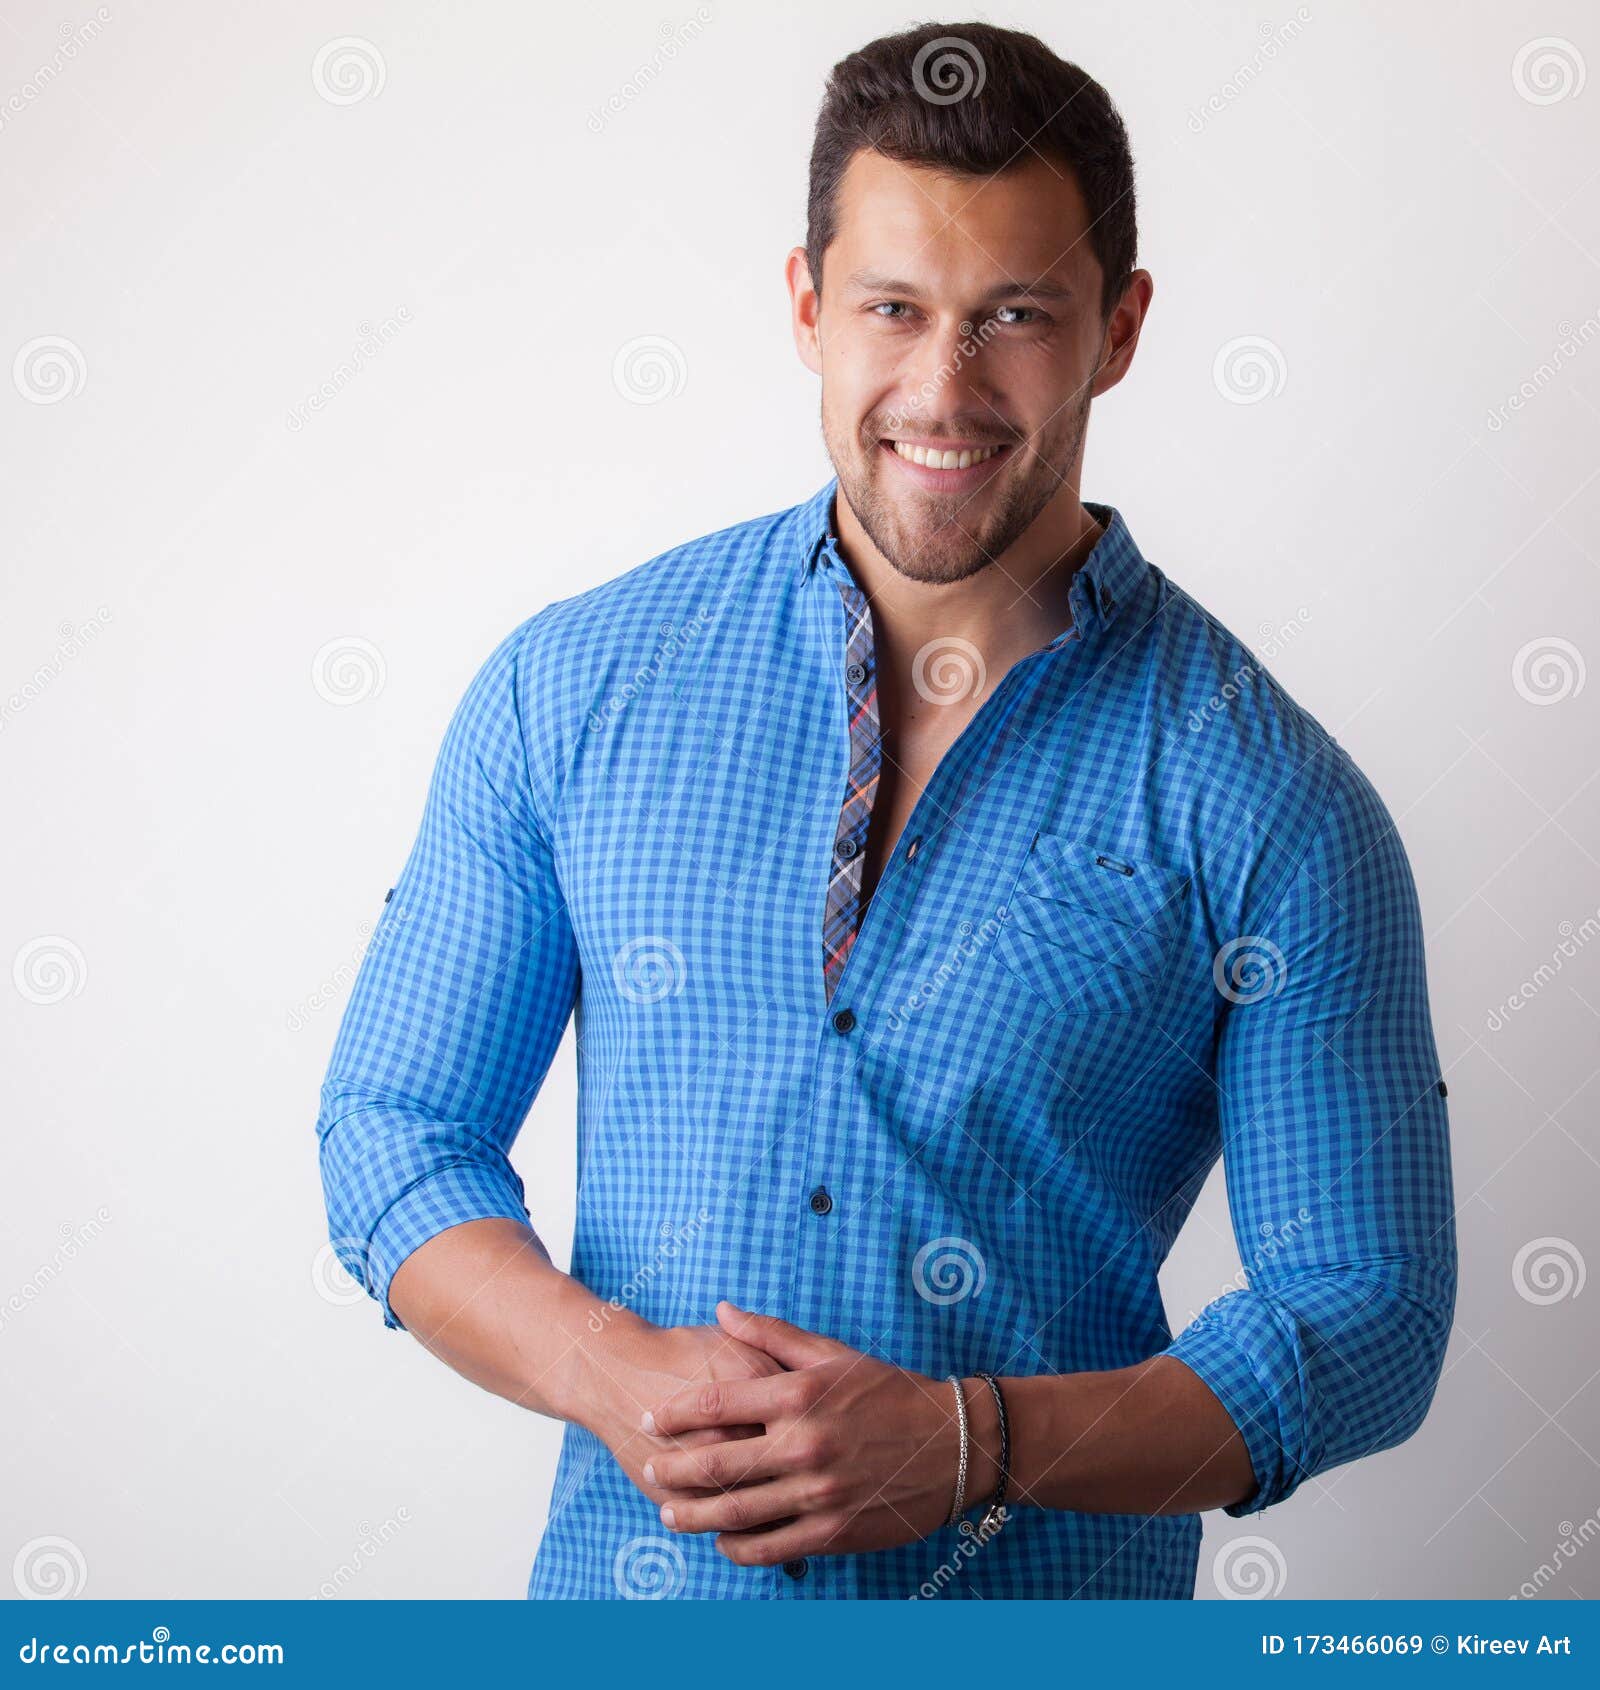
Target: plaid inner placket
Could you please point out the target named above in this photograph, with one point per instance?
(842, 913)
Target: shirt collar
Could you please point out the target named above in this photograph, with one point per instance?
(1101, 589)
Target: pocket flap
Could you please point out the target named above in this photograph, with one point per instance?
(1134, 890)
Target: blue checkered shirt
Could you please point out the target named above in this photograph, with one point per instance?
(1147, 912)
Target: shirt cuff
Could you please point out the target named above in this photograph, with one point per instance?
(464, 1191)
(1242, 1354)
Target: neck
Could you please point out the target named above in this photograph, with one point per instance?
(1007, 609)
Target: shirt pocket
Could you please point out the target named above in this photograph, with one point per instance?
(1091, 929)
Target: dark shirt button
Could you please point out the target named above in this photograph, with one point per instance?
(388, 895)
(1443, 1092)
(1107, 603)
(796, 1569)
(844, 1021)
(913, 847)
(855, 674)
(847, 849)
(821, 1202)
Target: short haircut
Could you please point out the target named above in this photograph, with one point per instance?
(974, 100)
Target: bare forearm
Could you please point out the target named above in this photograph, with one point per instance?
(1148, 1439)
(486, 1299)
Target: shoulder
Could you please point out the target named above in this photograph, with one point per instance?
(630, 614)
(571, 665)
(1279, 793)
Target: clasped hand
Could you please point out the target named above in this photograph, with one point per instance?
(836, 1453)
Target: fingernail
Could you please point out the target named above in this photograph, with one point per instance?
(649, 1472)
(647, 1421)
(669, 1519)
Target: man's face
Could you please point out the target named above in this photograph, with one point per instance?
(959, 323)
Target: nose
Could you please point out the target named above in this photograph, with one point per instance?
(944, 377)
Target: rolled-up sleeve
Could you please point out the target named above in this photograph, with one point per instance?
(459, 1005)
(1336, 1151)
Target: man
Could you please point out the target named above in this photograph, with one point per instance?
(940, 890)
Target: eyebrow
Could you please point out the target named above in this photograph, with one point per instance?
(872, 281)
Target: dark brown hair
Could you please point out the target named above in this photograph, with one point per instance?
(974, 99)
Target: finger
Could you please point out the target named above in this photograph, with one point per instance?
(720, 1466)
(723, 1403)
(739, 1510)
(780, 1542)
(792, 1345)
(716, 1435)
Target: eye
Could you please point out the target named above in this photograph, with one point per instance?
(890, 310)
(1020, 315)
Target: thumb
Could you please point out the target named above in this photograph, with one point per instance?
(792, 1345)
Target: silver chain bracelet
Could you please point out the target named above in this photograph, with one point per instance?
(959, 1506)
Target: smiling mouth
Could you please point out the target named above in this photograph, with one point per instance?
(945, 461)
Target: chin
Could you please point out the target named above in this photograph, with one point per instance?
(937, 553)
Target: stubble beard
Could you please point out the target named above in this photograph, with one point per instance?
(951, 537)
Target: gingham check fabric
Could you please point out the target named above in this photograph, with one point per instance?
(1145, 913)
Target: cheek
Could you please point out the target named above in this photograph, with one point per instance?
(863, 364)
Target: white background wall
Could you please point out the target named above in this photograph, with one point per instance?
(1398, 198)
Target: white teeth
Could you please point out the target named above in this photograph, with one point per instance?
(934, 458)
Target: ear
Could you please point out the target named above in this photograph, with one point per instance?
(805, 305)
(1122, 332)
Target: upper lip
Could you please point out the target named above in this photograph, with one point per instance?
(936, 443)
